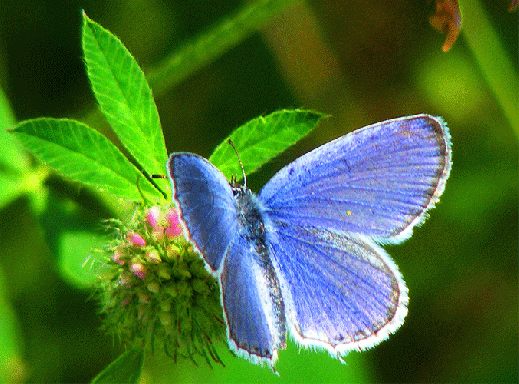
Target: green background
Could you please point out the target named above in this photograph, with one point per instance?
(359, 61)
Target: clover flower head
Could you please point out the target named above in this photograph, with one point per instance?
(158, 289)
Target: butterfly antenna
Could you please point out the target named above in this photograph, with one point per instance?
(239, 160)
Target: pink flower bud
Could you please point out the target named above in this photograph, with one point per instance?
(136, 239)
(153, 216)
(174, 228)
(117, 258)
(138, 270)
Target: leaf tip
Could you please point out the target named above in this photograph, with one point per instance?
(86, 20)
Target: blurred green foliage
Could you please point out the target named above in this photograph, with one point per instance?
(359, 61)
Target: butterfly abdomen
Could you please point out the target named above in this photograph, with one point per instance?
(251, 219)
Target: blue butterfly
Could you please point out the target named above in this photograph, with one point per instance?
(301, 257)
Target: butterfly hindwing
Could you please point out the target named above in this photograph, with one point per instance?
(377, 181)
(341, 292)
(255, 322)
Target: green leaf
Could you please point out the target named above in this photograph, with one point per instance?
(125, 369)
(263, 138)
(84, 155)
(124, 96)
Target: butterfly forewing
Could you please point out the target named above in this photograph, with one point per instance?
(377, 181)
(206, 204)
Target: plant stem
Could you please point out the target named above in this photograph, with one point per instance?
(492, 59)
(214, 43)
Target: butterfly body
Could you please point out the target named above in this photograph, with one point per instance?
(302, 257)
(253, 234)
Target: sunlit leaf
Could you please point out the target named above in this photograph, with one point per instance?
(263, 138)
(124, 96)
(84, 155)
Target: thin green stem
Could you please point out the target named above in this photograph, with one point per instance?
(214, 43)
(492, 59)
(7, 119)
